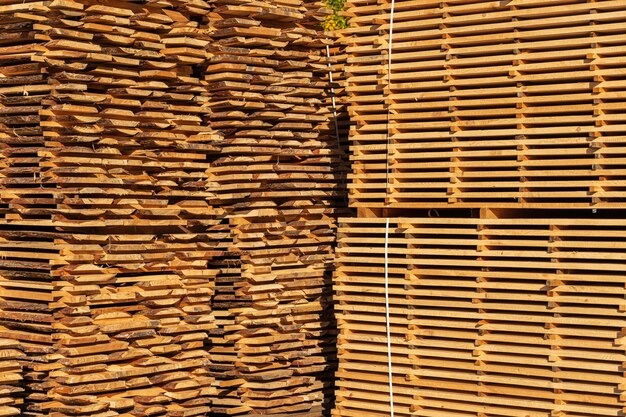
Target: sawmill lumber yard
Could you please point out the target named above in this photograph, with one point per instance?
(220, 208)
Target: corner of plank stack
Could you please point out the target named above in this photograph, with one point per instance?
(484, 274)
(11, 377)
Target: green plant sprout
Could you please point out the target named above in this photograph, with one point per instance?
(335, 21)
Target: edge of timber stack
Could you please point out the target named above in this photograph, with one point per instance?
(11, 377)
(484, 274)
(278, 177)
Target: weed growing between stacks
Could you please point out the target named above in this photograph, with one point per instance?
(335, 21)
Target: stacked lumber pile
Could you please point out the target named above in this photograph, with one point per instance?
(27, 233)
(106, 228)
(510, 103)
(267, 76)
(10, 377)
(492, 316)
(169, 177)
(478, 145)
(128, 154)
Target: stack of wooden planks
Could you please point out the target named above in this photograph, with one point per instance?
(106, 228)
(169, 177)
(489, 316)
(128, 151)
(276, 177)
(27, 234)
(485, 268)
(11, 377)
(511, 103)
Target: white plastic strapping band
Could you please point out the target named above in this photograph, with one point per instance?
(387, 319)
